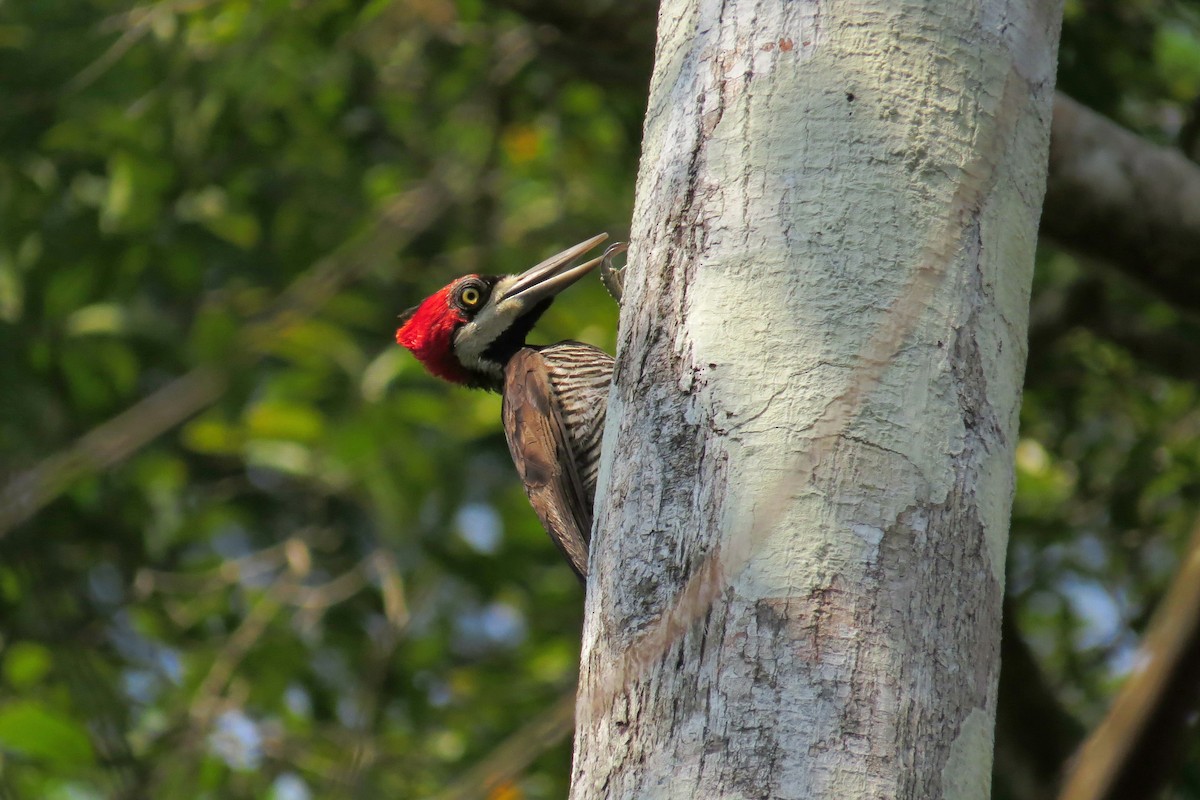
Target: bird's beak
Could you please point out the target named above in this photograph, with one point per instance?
(553, 275)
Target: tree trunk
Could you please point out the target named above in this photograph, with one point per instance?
(798, 560)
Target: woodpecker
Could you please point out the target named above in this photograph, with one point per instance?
(554, 397)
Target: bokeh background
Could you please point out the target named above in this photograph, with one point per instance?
(248, 549)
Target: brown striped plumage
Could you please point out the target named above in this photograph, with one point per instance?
(555, 399)
(473, 332)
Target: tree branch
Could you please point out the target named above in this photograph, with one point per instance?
(1135, 751)
(1115, 197)
(109, 443)
(515, 753)
(118, 438)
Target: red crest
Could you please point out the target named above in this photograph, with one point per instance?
(428, 331)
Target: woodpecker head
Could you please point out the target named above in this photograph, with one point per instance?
(467, 331)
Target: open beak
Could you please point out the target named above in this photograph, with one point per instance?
(553, 275)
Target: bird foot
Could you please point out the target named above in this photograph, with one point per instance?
(613, 277)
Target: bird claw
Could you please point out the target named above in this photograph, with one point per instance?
(612, 277)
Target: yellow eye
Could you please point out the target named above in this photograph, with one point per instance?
(470, 296)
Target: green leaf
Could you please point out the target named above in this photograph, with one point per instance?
(25, 664)
(211, 436)
(37, 732)
(281, 420)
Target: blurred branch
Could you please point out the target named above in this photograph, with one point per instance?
(505, 763)
(311, 601)
(116, 439)
(320, 598)
(391, 586)
(1135, 751)
(148, 581)
(137, 23)
(364, 748)
(108, 443)
(343, 587)
(1115, 197)
(252, 627)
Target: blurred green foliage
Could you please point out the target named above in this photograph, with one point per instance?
(327, 582)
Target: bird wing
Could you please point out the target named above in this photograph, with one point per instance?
(547, 456)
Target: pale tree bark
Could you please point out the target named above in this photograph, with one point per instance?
(797, 564)
(1112, 194)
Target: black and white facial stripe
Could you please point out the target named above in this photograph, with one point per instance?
(496, 326)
